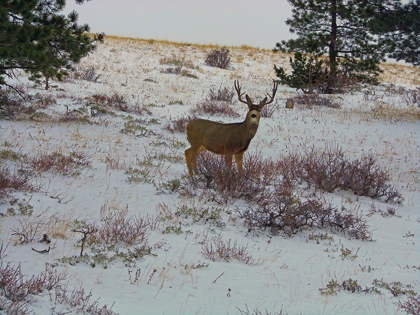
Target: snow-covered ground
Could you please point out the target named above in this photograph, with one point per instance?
(174, 277)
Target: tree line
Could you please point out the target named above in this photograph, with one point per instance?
(339, 42)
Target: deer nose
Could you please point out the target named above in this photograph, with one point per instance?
(253, 115)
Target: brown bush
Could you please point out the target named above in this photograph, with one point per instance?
(218, 58)
(119, 227)
(221, 94)
(15, 181)
(56, 162)
(411, 306)
(230, 184)
(331, 169)
(179, 124)
(10, 105)
(313, 99)
(214, 108)
(284, 211)
(217, 250)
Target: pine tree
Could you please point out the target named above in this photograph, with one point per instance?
(397, 26)
(34, 37)
(336, 29)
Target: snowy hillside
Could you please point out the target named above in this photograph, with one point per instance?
(100, 201)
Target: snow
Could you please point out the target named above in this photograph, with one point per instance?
(177, 278)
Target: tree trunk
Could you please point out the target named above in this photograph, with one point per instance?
(332, 49)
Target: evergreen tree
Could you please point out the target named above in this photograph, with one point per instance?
(337, 29)
(34, 37)
(398, 27)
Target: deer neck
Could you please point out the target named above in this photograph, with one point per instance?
(250, 128)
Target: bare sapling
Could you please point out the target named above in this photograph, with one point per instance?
(230, 140)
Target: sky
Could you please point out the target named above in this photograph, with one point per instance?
(258, 23)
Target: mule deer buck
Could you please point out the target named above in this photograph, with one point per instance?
(230, 140)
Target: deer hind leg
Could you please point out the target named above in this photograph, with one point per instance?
(188, 154)
(191, 158)
(238, 160)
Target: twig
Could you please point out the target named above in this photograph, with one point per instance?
(160, 288)
(42, 251)
(218, 277)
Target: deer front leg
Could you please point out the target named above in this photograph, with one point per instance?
(228, 160)
(238, 160)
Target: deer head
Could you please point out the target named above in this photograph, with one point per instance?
(230, 140)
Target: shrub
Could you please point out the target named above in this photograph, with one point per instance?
(411, 306)
(17, 181)
(116, 100)
(16, 290)
(330, 169)
(220, 250)
(258, 312)
(218, 58)
(56, 162)
(119, 227)
(311, 75)
(179, 124)
(283, 211)
(221, 94)
(10, 105)
(229, 184)
(310, 100)
(87, 74)
(213, 108)
(268, 111)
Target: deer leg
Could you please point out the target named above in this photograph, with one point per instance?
(238, 160)
(228, 160)
(194, 155)
(188, 156)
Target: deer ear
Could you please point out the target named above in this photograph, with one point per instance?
(263, 101)
(248, 99)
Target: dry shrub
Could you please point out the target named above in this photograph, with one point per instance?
(44, 100)
(179, 124)
(313, 99)
(272, 189)
(56, 162)
(87, 74)
(222, 94)
(16, 290)
(217, 250)
(268, 111)
(10, 105)
(284, 211)
(16, 181)
(116, 100)
(330, 169)
(218, 58)
(411, 306)
(80, 301)
(214, 108)
(230, 184)
(119, 227)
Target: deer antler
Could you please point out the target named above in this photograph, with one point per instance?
(264, 101)
(238, 90)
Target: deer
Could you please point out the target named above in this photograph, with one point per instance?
(230, 140)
